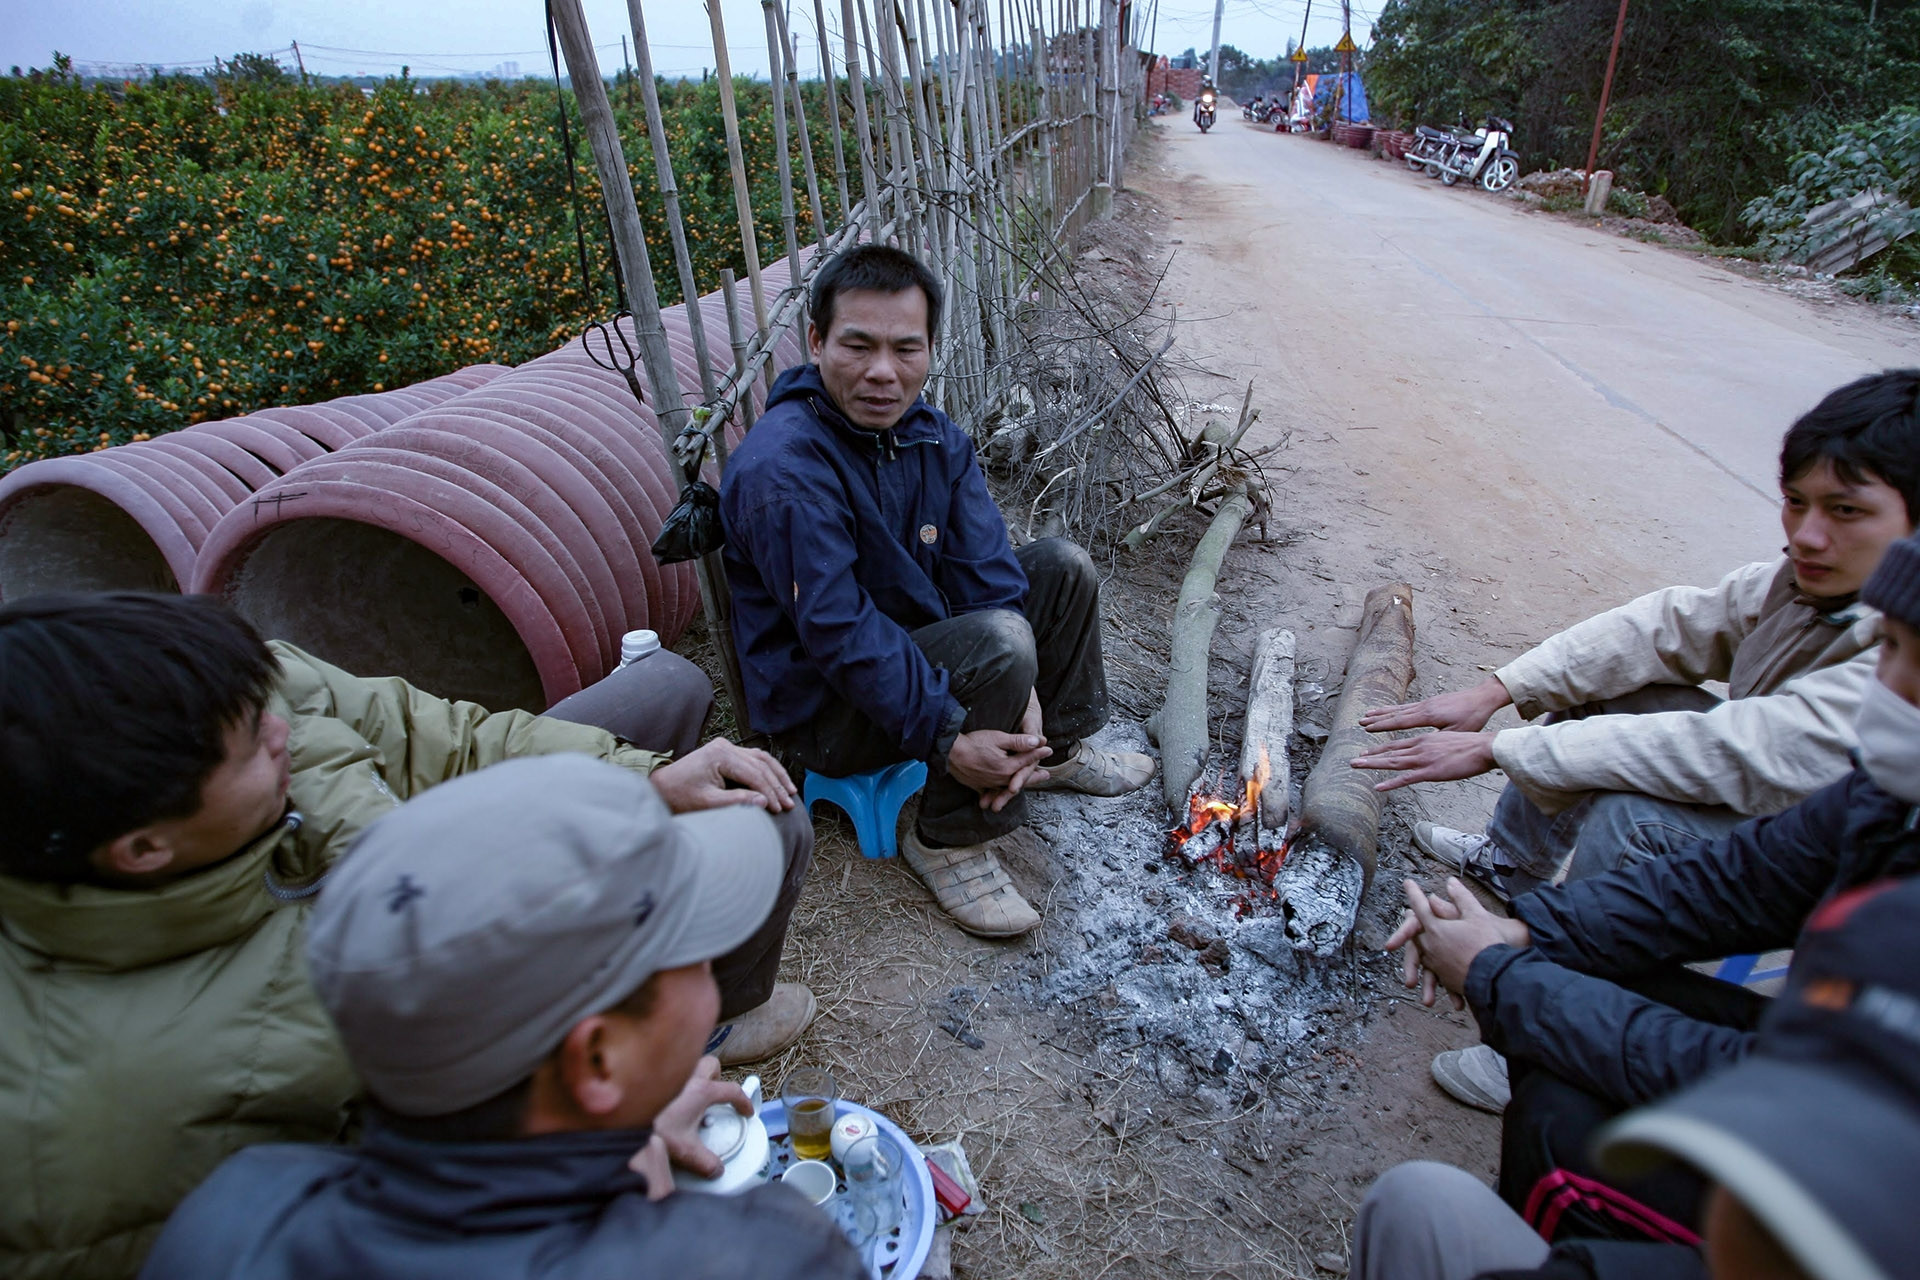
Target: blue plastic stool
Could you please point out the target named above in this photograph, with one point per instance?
(872, 800)
(1739, 971)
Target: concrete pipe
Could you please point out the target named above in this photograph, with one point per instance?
(547, 486)
(134, 516)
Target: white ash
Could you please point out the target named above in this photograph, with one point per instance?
(1108, 953)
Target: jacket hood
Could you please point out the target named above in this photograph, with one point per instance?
(802, 383)
(485, 1187)
(117, 929)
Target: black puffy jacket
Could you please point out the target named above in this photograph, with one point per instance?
(1558, 1004)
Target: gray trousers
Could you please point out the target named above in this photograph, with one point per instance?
(661, 703)
(1606, 829)
(1428, 1221)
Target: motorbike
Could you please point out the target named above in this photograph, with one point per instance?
(1481, 156)
(1203, 110)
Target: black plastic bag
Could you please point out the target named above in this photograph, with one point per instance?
(692, 528)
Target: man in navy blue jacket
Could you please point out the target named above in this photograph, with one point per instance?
(1585, 990)
(881, 613)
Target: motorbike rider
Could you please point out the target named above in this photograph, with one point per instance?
(1204, 102)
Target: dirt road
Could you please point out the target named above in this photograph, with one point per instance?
(1528, 417)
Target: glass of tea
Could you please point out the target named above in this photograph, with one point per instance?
(809, 1094)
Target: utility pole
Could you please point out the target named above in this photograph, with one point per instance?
(300, 62)
(1300, 52)
(1606, 90)
(1213, 63)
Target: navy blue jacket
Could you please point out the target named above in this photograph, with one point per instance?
(1556, 1003)
(561, 1205)
(840, 542)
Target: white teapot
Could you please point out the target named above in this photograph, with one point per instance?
(741, 1141)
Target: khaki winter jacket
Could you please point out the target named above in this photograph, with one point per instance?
(147, 1034)
(1795, 679)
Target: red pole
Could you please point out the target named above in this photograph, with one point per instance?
(1606, 90)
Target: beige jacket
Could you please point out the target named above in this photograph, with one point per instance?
(1784, 732)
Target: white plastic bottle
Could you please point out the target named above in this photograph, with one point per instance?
(636, 645)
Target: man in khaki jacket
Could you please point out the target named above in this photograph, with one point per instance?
(1633, 758)
(172, 795)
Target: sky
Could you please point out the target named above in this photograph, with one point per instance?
(343, 37)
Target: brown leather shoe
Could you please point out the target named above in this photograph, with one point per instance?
(771, 1028)
(1094, 772)
(971, 886)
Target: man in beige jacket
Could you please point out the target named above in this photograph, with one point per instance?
(1631, 757)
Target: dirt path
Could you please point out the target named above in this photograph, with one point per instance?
(1526, 419)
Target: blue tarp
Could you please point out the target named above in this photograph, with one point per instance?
(1353, 95)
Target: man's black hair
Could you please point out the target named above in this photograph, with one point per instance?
(1867, 429)
(114, 709)
(880, 268)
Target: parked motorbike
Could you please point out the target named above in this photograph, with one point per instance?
(1203, 110)
(1481, 156)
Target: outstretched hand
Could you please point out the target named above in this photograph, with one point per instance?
(1465, 710)
(1442, 936)
(698, 780)
(1441, 756)
(678, 1124)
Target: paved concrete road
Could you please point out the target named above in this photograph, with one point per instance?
(1531, 387)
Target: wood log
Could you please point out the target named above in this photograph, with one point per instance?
(1331, 861)
(1263, 744)
(1180, 725)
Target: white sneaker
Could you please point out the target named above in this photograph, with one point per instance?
(1476, 1076)
(1468, 853)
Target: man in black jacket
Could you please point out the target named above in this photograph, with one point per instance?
(519, 964)
(1584, 989)
(1811, 1145)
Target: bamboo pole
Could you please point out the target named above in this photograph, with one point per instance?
(737, 333)
(832, 89)
(800, 125)
(736, 160)
(857, 85)
(643, 300)
(670, 195)
(783, 158)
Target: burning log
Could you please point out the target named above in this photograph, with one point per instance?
(1332, 857)
(1264, 769)
(1180, 725)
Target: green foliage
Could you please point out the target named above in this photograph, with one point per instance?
(194, 248)
(1628, 204)
(1711, 98)
(1880, 156)
(1242, 75)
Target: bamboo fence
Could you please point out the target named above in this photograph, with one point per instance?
(980, 135)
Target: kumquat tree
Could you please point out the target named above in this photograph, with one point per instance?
(187, 248)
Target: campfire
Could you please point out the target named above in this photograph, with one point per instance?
(1231, 837)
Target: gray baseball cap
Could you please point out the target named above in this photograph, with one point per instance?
(464, 933)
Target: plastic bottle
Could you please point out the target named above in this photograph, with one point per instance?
(636, 645)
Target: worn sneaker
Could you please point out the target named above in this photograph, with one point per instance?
(1476, 1076)
(1469, 854)
(769, 1029)
(1094, 772)
(971, 886)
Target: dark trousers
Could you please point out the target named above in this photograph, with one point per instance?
(661, 703)
(994, 660)
(1547, 1172)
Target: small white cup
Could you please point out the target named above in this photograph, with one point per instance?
(847, 1130)
(814, 1179)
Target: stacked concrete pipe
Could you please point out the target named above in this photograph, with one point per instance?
(135, 516)
(493, 547)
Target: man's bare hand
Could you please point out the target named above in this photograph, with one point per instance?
(698, 780)
(678, 1124)
(1030, 726)
(1466, 710)
(998, 764)
(1440, 756)
(651, 1163)
(1449, 937)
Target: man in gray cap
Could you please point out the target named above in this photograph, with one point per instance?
(519, 966)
